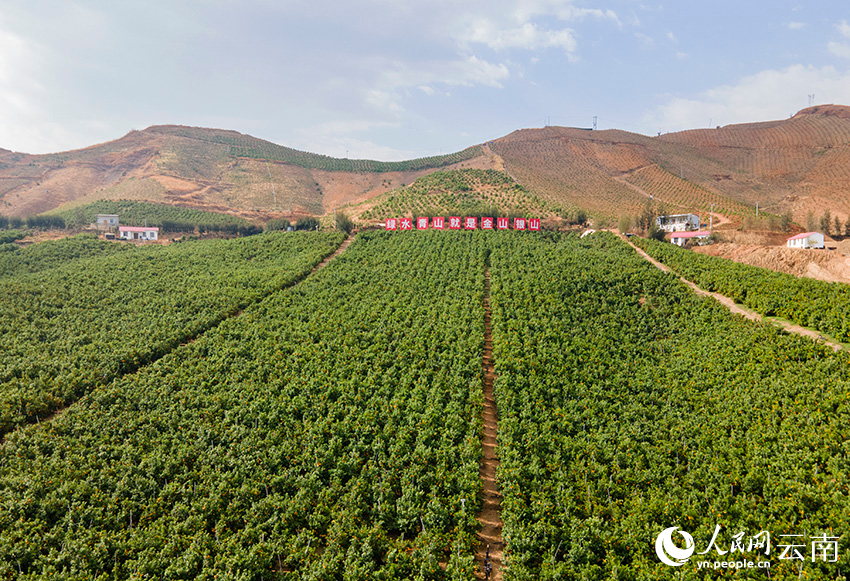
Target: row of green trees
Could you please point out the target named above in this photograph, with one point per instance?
(332, 431)
(77, 314)
(246, 146)
(644, 222)
(40, 221)
(828, 224)
(627, 405)
(167, 217)
(329, 432)
(812, 303)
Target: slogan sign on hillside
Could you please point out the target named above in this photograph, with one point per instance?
(466, 223)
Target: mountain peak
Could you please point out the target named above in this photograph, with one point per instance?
(840, 111)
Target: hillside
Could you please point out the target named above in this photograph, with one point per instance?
(207, 169)
(466, 192)
(798, 166)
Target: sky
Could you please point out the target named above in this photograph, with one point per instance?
(400, 79)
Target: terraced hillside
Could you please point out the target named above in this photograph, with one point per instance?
(606, 172)
(795, 166)
(458, 192)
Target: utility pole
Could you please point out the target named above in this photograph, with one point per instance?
(711, 219)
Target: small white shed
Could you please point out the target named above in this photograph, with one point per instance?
(106, 221)
(806, 240)
(138, 233)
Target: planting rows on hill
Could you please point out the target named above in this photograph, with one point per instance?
(168, 218)
(804, 131)
(16, 261)
(251, 147)
(780, 153)
(330, 432)
(468, 192)
(834, 166)
(812, 303)
(629, 405)
(70, 328)
(553, 170)
(683, 195)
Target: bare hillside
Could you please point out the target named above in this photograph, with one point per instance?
(797, 165)
(208, 169)
(828, 265)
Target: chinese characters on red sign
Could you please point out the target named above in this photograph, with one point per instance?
(458, 223)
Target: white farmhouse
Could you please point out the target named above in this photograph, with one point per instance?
(681, 238)
(677, 222)
(806, 240)
(138, 233)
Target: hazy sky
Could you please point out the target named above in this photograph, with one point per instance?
(394, 79)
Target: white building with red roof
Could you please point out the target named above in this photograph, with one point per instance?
(138, 233)
(806, 240)
(681, 238)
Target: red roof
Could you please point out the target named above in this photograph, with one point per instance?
(803, 235)
(689, 234)
(137, 229)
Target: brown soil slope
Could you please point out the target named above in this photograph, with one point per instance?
(796, 165)
(608, 172)
(192, 167)
(828, 265)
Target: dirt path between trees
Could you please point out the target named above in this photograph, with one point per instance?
(490, 515)
(738, 309)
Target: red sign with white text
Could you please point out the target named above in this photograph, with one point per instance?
(466, 223)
